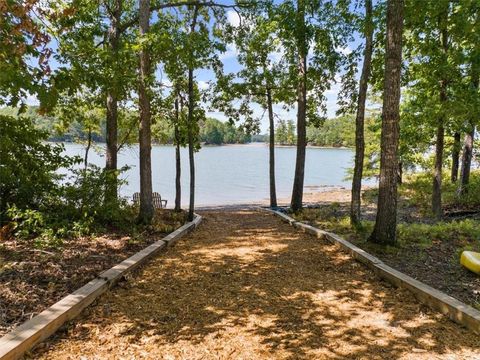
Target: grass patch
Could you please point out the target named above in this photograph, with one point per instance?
(465, 233)
(417, 191)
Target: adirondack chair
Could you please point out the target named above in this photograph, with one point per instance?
(158, 203)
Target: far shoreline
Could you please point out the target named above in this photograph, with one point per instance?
(330, 194)
(252, 144)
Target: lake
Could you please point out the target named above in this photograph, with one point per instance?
(230, 174)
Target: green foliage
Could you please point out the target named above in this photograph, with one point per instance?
(331, 219)
(41, 204)
(262, 78)
(337, 132)
(285, 133)
(63, 125)
(212, 132)
(77, 208)
(74, 117)
(463, 231)
(28, 165)
(235, 135)
(83, 197)
(23, 51)
(89, 59)
(418, 190)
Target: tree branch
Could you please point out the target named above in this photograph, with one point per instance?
(157, 7)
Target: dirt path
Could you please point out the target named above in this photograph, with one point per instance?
(246, 286)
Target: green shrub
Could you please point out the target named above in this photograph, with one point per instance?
(42, 205)
(28, 165)
(76, 208)
(417, 189)
(464, 231)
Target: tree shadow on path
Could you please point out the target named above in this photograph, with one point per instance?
(245, 285)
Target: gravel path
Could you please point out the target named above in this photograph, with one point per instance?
(245, 285)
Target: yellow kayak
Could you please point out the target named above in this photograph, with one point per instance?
(471, 260)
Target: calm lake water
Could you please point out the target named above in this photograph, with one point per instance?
(230, 174)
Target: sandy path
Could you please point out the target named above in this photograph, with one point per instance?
(246, 286)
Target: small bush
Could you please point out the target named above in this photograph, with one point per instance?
(417, 190)
(28, 165)
(42, 205)
(77, 208)
(464, 231)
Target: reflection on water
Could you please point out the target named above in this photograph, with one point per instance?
(230, 174)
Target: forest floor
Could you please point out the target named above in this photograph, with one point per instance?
(32, 279)
(245, 285)
(426, 251)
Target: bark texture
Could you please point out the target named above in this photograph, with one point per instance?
(355, 213)
(469, 141)
(437, 174)
(440, 137)
(273, 191)
(113, 37)
(455, 156)
(466, 161)
(297, 192)
(145, 137)
(384, 231)
(87, 149)
(178, 164)
(191, 119)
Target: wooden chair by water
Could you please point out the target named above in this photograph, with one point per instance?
(158, 203)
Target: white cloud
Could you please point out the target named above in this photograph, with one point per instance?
(203, 85)
(277, 55)
(32, 100)
(231, 52)
(344, 50)
(233, 18)
(334, 89)
(166, 82)
(217, 115)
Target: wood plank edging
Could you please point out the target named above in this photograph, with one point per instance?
(23, 338)
(456, 310)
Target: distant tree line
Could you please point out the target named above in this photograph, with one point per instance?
(335, 132)
(212, 131)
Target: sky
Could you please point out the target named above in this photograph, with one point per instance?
(230, 63)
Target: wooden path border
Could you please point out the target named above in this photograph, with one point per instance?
(23, 338)
(456, 310)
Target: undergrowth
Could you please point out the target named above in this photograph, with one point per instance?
(465, 233)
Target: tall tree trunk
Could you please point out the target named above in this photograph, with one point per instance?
(273, 191)
(355, 213)
(297, 192)
(455, 156)
(384, 231)
(440, 138)
(469, 137)
(437, 174)
(191, 140)
(178, 164)
(466, 161)
(112, 109)
(400, 173)
(85, 165)
(145, 137)
(87, 149)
